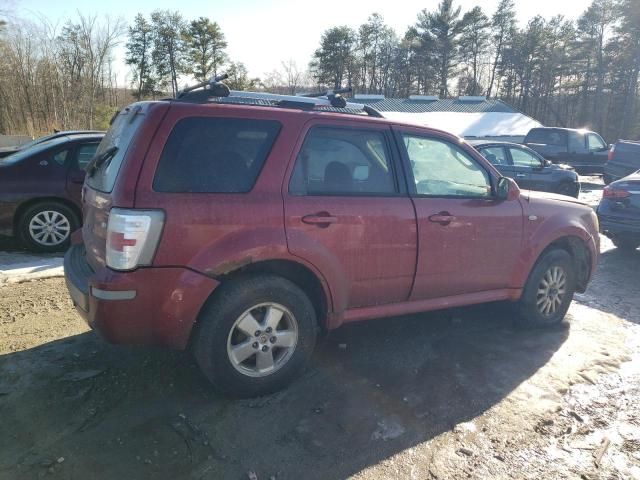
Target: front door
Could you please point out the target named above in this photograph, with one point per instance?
(529, 170)
(469, 240)
(347, 213)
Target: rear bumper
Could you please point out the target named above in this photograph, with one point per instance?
(146, 306)
(615, 227)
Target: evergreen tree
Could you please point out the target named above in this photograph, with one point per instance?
(205, 43)
(138, 56)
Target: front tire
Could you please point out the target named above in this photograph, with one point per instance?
(548, 292)
(568, 188)
(47, 227)
(255, 336)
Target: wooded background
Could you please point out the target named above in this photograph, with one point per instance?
(582, 73)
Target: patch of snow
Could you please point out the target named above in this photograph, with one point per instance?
(20, 267)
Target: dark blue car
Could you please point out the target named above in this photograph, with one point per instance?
(528, 168)
(619, 212)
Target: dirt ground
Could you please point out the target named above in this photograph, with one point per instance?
(447, 395)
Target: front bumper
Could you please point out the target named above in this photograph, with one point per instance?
(146, 306)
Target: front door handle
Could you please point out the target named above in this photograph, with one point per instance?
(322, 219)
(443, 218)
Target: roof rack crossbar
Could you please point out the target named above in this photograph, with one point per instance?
(216, 91)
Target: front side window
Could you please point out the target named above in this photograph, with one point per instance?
(443, 169)
(496, 155)
(214, 155)
(339, 161)
(522, 158)
(595, 143)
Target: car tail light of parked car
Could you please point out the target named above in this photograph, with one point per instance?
(609, 192)
(132, 237)
(610, 154)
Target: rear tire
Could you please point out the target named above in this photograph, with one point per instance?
(548, 292)
(255, 335)
(625, 245)
(47, 226)
(567, 188)
(607, 179)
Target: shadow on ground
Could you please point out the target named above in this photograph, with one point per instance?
(373, 390)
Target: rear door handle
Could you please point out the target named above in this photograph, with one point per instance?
(443, 218)
(322, 219)
(521, 175)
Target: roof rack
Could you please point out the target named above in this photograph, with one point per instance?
(214, 91)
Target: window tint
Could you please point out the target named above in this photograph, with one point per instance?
(496, 155)
(60, 157)
(595, 143)
(214, 155)
(547, 137)
(334, 161)
(442, 169)
(85, 153)
(522, 158)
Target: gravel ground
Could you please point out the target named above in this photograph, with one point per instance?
(446, 395)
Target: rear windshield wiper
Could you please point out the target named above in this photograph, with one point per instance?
(100, 160)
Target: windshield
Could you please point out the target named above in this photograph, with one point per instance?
(34, 150)
(120, 133)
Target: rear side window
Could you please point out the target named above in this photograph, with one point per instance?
(496, 155)
(547, 137)
(339, 161)
(214, 155)
(120, 134)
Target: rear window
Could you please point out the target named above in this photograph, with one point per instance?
(122, 130)
(547, 137)
(214, 155)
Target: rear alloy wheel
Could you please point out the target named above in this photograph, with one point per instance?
(47, 227)
(255, 335)
(625, 245)
(548, 291)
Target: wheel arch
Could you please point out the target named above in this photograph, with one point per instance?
(580, 254)
(24, 206)
(297, 273)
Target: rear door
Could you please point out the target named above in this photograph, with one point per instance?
(469, 241)
(348, 213)
(80, 156)
(499, 158)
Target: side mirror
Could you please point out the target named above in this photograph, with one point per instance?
(507, 189)
(547, 162)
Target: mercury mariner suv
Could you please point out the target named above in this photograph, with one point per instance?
(241, 224)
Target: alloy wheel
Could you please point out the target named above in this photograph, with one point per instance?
(49, 228)
(551, 291)
(262, 339)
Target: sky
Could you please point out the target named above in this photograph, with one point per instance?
(262, 34)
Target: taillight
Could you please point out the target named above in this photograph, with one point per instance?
(610, 154)
(132, 237)
(611, 192)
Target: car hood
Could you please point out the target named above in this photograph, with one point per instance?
(533, 195)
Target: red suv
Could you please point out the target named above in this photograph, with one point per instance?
(240, 226)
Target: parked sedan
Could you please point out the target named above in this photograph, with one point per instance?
(619, 212)
(6, 151)
(528, 168)
(40, 190)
